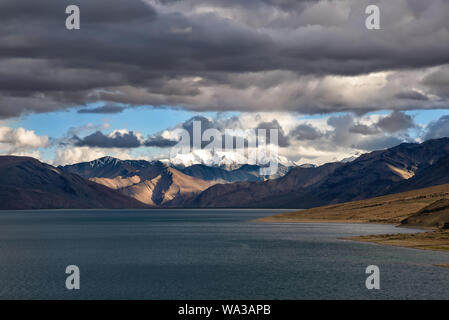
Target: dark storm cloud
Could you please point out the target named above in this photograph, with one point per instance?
(306, 132)
(221, 127)
(93, 11)
(283, 140)
(379, 143)
(347, 131)
(190, 54)
(438, 129)
(106, 109)
(363, 129)
(204, 124)
(160, 142)
(412, 95)
(131, 140)
(99, 140)
(396, 121)
(439, 82)
(123, 140)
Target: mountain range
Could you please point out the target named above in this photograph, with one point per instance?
(152, 183)
(161, 184)
(26, 183)
(405, 167)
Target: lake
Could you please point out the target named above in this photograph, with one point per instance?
(204, 254)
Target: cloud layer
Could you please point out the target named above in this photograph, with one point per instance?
(262, 55)
(300, 139)
(317, 140)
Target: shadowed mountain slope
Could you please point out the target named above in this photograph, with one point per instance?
(26, 183)
(433, 175)
(435, 215)
(261, 194)
(245, 172)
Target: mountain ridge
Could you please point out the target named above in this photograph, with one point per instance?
(370, 175)
(26, 183)
(153, 183)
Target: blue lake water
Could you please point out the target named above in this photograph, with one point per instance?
(204, 254)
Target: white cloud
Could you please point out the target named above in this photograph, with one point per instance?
(71, 155)
(33, 154)
(15, 140)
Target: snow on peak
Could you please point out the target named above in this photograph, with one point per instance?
(351, 158)
(104, 161)
(213, 158)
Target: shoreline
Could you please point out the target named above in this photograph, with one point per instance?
(432, 239)
(393, 209)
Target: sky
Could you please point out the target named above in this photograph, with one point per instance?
(138, 70)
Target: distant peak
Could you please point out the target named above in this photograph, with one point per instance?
(108, 158)
(104, 161)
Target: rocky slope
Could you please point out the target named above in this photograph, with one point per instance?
(436, 174)
(153, 183)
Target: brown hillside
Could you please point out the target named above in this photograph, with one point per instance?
(435, 215)
(386, 209)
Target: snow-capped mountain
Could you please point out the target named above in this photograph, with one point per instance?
(304, 165)
(107, 167)
(220, 159)
(352, 158)
(105, 161)
(157, 183)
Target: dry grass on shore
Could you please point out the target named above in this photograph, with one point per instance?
(436, 240)
(390, 209)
